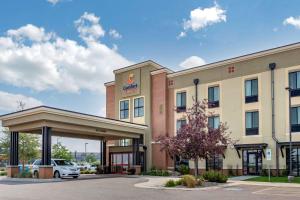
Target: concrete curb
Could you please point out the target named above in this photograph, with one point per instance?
(29, 180)
(157, 183)
(294, 185)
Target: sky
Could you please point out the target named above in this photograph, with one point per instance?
(60, 52)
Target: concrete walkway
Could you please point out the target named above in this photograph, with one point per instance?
(241, 178)
(159, 182)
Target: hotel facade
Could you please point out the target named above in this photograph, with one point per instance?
(247, 92)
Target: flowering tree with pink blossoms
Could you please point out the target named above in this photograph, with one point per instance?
(196, 140)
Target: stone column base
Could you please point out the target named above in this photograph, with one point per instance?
(45, 172)
(138, 169)
(12, 171)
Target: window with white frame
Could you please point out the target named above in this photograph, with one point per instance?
(124, 109)
(139, 107)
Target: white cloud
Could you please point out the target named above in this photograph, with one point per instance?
(9, 101)
(181, 35)
(201, 18)
(33, 58)
(192, 61)
(53, 2)
(115, 34)
(294, 21)
(89, 28)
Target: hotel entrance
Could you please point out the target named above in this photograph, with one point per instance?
(252, 162)
(120, 162)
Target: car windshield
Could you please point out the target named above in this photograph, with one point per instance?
(62, 162)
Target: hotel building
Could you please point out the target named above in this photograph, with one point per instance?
(247, 92)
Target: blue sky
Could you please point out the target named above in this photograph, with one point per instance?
(60, 52)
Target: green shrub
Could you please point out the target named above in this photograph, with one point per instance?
(184, 169)
(213, 176)
(3, 173)
(158, 172)
(170, 183)
(179, 182)
(189, 181)
(24, 174)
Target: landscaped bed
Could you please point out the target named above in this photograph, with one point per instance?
(208, 179)
(275, 179)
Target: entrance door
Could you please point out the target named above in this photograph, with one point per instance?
(252, 163)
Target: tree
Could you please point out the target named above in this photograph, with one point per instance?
(61, 152)
(196, 140)
(28, 146)
(90, 158)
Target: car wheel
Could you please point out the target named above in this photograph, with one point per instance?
(35, 174)
(56, 174)
(75, 176)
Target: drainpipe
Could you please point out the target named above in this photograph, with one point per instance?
(196, 82)
(272, 67)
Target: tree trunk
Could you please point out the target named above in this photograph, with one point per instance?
(196, 167)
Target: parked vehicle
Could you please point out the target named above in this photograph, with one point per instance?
(61, 168)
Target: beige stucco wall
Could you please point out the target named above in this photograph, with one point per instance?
(232, 107)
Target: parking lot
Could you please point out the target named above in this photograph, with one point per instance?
(110, 188)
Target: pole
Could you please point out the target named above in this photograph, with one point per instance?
(85, 149)
(290, 177)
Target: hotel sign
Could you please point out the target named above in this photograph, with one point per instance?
(131, 83)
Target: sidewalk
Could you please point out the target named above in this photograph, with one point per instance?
(238, 182)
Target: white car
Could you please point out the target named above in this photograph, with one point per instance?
(61, 168)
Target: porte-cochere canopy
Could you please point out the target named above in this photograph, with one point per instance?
(70, 124)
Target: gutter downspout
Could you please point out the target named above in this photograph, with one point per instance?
(196, 82)
(272, 67)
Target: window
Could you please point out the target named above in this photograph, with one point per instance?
(294, 81)
(214, 163)
(180, 123)
(181, 101)
(213, 97)
(252, 123)
(124, 142)
(139, 107)
(124, 109)
(214, 122)
(295, 119)
(251, 91)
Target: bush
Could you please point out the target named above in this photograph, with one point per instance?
(213, 176)
(200, 180)
(179, 182)
(170, 183)
(158, 172)
(184, 169)
(189, 181)
(24, 174)
(3, 173)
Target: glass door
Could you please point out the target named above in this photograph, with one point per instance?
(252, 163)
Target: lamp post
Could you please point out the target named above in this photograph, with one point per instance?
(290, 177)
(85, 144)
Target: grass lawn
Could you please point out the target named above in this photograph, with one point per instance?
(283, 179)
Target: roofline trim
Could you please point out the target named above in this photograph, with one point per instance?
(69, 113)
(138, 65)
(237, 59)
(158, 71)
(110, 83)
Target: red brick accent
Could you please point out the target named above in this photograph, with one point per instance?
(12, 171)
(110, 101)
(45, 172)
(159, 113)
